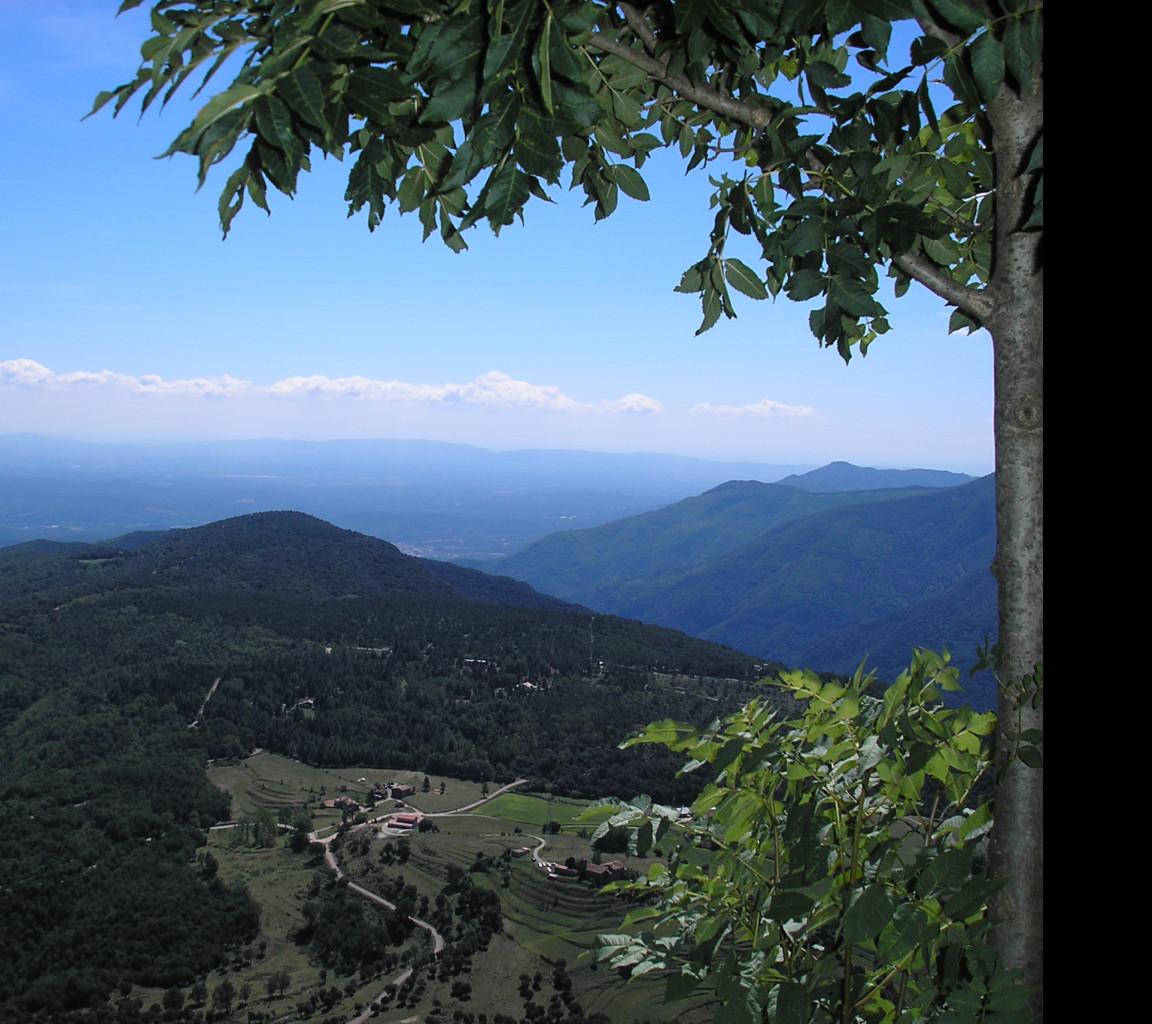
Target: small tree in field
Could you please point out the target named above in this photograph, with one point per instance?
(926, 163)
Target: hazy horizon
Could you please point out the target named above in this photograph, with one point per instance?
(784, 467)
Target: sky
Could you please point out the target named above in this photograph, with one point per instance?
(125, 316)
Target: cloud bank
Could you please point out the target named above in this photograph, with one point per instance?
(493, 389)
(764, 409)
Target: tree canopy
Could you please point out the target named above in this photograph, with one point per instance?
(466, 112)
(839, 152)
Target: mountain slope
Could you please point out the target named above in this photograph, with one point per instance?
(816, 586)
(852, 568)
(275, 552)
(601, 566)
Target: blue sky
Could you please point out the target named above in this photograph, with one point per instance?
(123, 315)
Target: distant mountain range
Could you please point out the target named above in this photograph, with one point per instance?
(811, 577)
(444, 501)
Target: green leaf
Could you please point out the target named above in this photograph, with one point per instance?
(926, 49)
(853, 297)
(789, 905)
(508, 192)
(712, 304)
(963, 14)
(825, 76)
(909, 928)
(544, 58)
(494, 132)
(988, 65)
(690, 14)
(302, 91)
(274, 123)
(961, 321)
(807, 236)
(680, 986)
(449, 102)
(691, 281)
(630, 182)
(411, 192)
(744, 279)
(1031, 756)
(372, 89)
(539, 154)
(805, 284)
(793, 1004)
(1024, 47)
(971, 898)
(1036, 159)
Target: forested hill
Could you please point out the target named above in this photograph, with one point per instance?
(265, 552)
(819, 579)
(330, 647)
(599, 565)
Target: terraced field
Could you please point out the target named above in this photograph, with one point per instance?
(546, 921)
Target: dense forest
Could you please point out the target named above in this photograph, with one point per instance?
(318, 643)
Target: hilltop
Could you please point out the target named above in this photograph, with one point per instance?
(843, 476)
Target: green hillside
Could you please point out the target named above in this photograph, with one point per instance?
(819, 579)
(125, 669)
(600, 566)
(864, 569)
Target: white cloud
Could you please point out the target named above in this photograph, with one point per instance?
(493, 389)
(634, 403)
(766, 408)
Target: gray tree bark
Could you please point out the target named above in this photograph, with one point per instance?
(1017, 328)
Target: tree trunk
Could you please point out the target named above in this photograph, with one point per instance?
(1017, 328)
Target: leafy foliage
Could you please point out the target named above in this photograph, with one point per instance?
(465, 112)
(844, 881)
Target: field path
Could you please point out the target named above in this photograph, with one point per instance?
(483, 800)
(207, 698)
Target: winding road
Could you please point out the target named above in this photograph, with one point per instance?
(437, 939)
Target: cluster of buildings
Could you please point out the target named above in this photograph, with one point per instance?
(601, 874)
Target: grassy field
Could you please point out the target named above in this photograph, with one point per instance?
(546, 921)
(535, 810)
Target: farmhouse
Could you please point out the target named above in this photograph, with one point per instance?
(404, 821)
(602, 874)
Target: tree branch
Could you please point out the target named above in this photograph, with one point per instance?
(976, 302)
(735, 110)
(638, 24)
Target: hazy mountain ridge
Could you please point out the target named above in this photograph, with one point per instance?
(603, 563)
(843, 476)
(821, 587)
